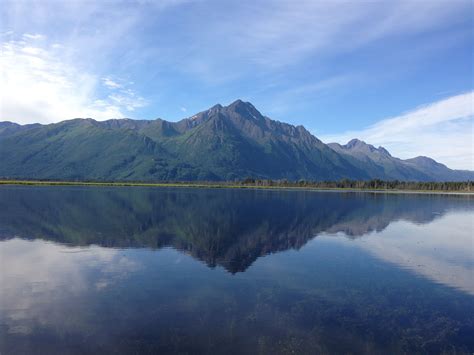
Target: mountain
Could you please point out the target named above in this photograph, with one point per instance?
(384, 166)
(221, 143)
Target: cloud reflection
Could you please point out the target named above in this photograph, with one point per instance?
(39, 278)
(442, 250)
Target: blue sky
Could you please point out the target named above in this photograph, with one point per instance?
(395, 73)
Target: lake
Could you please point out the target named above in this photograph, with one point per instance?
(227, 271)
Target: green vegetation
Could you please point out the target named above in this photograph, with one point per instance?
(345, 184)
(375, 184)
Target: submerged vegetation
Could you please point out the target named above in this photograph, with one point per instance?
(375, 184)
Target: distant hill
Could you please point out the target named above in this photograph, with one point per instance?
(221, 143)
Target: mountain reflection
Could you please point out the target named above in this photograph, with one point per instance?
(230, 228)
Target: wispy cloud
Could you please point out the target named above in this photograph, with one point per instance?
(286, 99)
(39, 85)
(127, 99)
(111, 84)
(278, 33)
(34, 36)
(442, 130)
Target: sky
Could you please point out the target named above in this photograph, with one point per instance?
(397, 74)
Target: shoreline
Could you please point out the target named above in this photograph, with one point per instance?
(225, 186)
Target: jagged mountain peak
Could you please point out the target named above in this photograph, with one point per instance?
(240, 103)
(216, 107)
(238, 107)
(355, 142)
(244, 109)
(239, 112)
(358, 145)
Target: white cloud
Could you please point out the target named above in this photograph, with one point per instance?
(442, 130)
(40, 84)
(127, 99)
(33, 36)
(183, 109)
(111, 84)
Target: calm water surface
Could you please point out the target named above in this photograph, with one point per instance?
(147, 270)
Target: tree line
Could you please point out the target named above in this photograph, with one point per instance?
(374, 184)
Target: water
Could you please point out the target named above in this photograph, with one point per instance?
(147, 270)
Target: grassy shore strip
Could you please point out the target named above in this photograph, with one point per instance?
(224, 186)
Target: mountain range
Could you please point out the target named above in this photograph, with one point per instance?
(222, 143)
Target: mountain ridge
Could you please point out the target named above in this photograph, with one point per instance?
(222, 143)
(400, 168)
